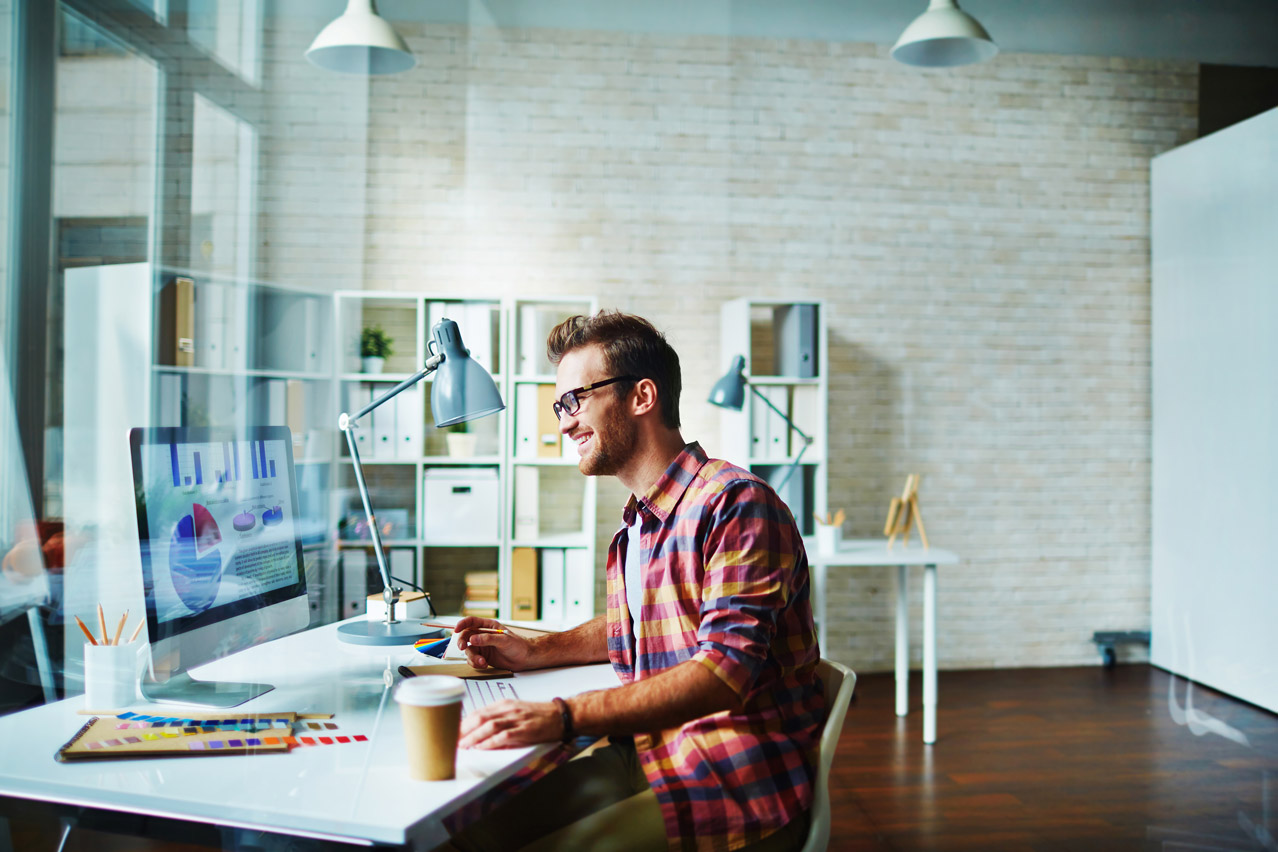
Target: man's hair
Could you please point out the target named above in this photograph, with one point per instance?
(632, 346)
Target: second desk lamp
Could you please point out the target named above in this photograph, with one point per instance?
(461, 390)
(729, 392)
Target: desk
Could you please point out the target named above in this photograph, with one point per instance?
(874, 552)
(356, 793)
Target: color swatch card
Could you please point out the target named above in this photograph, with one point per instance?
(104, 738)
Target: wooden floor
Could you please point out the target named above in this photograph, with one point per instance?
(1056, 759)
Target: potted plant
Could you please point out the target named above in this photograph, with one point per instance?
(374, 347)
(461, 444)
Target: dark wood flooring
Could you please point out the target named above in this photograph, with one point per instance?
(1056, 759)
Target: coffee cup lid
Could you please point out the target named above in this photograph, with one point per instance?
(430, 690)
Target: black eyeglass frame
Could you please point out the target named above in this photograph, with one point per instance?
(570, 403)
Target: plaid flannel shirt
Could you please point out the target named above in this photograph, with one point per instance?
(726, 584)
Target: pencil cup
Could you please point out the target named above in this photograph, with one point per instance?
(430, 707)
(828, 537)
(110, 676)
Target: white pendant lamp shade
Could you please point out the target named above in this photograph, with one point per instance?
(943, 36)
(360, 42)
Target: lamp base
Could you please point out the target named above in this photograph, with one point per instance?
(380, 633)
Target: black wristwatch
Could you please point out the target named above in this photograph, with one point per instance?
(565, 715)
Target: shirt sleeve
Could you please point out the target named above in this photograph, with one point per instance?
(750, 551)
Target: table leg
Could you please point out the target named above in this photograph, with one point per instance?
(902, 642)
(818, 592)
(929, 654)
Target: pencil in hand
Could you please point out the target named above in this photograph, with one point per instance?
(454, 629)
(88, 635)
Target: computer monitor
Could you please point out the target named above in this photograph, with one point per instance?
(221, 552)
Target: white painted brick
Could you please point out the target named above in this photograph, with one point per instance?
(980, 235)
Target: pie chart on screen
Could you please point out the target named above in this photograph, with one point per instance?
(195, 558)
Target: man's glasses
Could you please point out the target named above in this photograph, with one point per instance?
(570, 403)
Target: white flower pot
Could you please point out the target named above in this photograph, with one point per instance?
(373, 365)
(461, 445)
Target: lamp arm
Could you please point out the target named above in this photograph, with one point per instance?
(347, 424)
(388, 593)
(794, 465)
(432, 364)
(807, 439)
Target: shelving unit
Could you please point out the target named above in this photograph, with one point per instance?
(551, 508)
(234, 353)
(435, 506)
(785, 346)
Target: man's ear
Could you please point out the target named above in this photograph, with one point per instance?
(643, 398)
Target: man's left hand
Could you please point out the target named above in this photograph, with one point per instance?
(509, 724)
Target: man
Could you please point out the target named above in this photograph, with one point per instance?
(708, 625)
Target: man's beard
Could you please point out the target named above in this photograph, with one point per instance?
(615, 442)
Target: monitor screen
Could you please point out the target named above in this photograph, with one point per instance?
(219, 535)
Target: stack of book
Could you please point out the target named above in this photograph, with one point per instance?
(481, 594)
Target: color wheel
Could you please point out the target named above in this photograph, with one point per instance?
(195, 560)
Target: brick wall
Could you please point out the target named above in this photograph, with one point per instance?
(980, 236)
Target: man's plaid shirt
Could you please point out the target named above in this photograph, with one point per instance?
(726, 584)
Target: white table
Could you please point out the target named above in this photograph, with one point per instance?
(351, 793)
(874, 552)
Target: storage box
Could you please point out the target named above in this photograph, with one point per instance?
(461, 506)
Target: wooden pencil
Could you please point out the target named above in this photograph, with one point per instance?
(119, 628)
(106, 639)
(87, 634)
(138, 629)
(454, 629)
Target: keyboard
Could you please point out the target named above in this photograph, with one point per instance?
(481, 693)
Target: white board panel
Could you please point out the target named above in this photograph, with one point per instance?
(1214, 243)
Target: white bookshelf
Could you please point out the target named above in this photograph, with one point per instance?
(560, 499)
(792, 369)
(235, 353)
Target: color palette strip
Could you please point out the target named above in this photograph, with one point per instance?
(265, 725)
(239, 742)
(177, 721)
(311, 741)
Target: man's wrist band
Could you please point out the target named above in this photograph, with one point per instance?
(565, 716)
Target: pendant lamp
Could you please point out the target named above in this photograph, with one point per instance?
(360, 42)
(944, 36)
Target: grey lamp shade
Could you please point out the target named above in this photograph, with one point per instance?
(461, 390)
(944, 36)
(729, 391)
(360, 42)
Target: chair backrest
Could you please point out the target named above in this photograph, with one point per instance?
(839, 682)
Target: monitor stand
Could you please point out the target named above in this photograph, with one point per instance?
(181, 688)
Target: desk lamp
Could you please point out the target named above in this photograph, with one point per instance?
(729, 392)
(462, 390)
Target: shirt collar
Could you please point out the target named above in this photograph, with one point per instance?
(667, 491)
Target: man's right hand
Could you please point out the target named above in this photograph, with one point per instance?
(500, 650)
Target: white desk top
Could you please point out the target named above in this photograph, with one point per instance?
(874, 551)
(355, 791)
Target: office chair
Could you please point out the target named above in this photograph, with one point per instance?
(839, 681)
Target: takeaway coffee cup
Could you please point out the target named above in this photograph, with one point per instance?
(430, 706)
